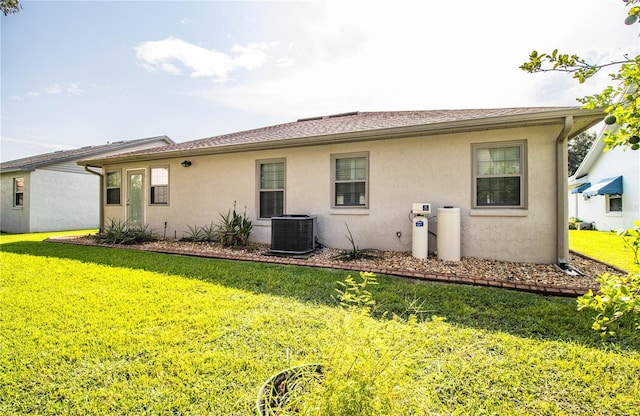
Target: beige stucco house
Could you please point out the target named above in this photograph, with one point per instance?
(505, 169)
(50, 192)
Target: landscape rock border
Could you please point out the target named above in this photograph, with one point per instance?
(529, 277)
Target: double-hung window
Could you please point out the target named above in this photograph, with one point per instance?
(499, 175)
(18, 192)
(159, 186)
(113, 184)
(350, 177)
(271, 187)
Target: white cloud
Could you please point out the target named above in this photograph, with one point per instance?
(161, 55)
(53, 89)
(425, 55)
(71, 88)
(74, 89)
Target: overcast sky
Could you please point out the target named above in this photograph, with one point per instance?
(83, 73)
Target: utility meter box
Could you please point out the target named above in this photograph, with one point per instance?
(421, 208)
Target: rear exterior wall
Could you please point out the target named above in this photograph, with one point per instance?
(435, 169)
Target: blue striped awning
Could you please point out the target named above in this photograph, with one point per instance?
(581, 188)
(609, 186)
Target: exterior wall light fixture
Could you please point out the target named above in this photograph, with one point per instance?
(186, 163)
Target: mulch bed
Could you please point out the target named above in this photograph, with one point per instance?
(530, 277)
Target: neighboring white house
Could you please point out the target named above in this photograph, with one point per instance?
(605, 190)
(505, 169)
(51, 192)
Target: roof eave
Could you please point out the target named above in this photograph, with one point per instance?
(18, 169)
(448, 127)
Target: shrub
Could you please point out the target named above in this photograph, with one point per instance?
(234, 229)
(354, 295)
(122, 232)
(194, 234)
(617, 304)
(573, 223)
(365, 372)
(205, 233)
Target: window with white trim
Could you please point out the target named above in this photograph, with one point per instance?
(113, 186)
(271, 187)
(499, 175)
(18, 192)
(159, 186)
(350, 180)
(614, 203)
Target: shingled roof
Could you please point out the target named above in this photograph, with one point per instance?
(47, 159)
(351, 126)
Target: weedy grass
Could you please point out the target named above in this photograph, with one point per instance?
(604, 246)
(91, 330)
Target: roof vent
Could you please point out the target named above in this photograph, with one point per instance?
(309, 119)
(352, 113)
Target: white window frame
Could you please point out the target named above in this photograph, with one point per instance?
(16, 192)
(153, 185)
(608, 202)
(260, 190)
(475, 148)
(335, 182)
(107, 187)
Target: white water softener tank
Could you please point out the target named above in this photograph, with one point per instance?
(420, 231)
(448, 234)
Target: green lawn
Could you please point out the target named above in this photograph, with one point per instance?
(90, 330)
(604, 246)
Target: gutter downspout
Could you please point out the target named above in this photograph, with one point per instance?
(562, 198)
(101, 209)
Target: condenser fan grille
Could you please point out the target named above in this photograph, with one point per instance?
(293, 234)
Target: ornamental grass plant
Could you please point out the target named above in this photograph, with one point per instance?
(94, 330)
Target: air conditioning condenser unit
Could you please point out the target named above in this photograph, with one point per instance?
(294, 234)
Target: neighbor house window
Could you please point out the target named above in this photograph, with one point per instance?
(614, 203)
(114, 183)
(350, 177)
(18, 192)
(271, 187)
(499, 171)
(159, 186)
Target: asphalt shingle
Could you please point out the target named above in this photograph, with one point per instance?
(344, 123)
(33, 162)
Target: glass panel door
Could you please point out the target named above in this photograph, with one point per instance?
(135, 197)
